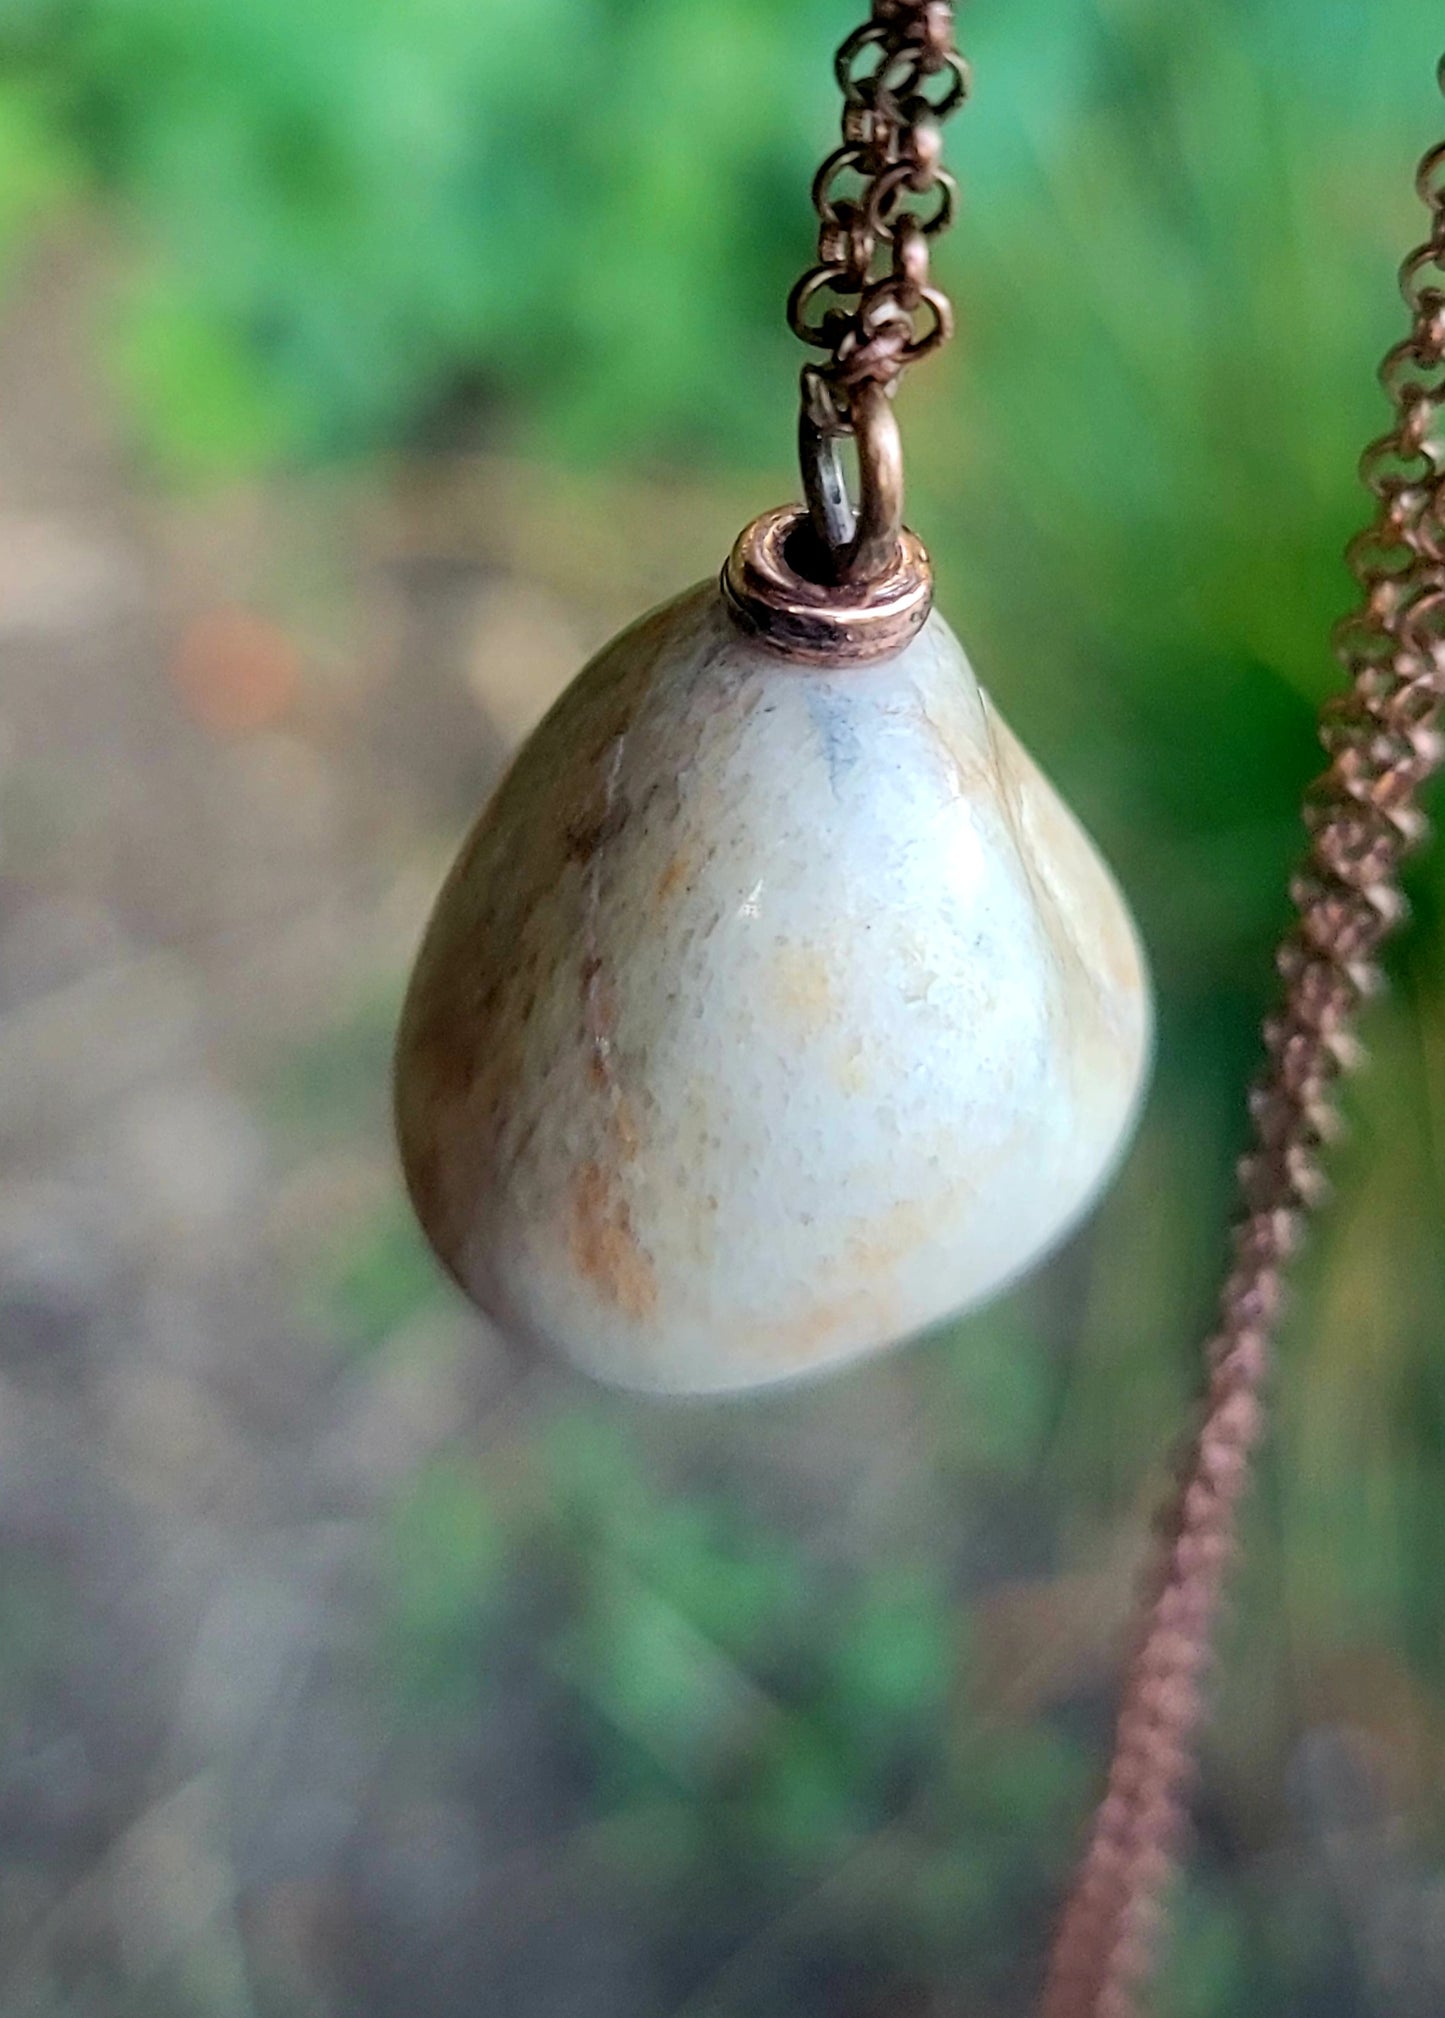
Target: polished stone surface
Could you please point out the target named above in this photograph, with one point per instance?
(769, 1014)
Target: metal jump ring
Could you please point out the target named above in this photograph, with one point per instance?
(861, 544)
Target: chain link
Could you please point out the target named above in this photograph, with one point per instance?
(882, 197)
(1383, 742)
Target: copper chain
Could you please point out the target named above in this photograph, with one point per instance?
(1383, 744)
(882, 197)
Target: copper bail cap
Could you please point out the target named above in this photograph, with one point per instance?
(828, 583)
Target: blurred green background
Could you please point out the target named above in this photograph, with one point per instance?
(362, 365)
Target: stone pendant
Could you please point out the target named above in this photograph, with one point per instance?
(772, 1012)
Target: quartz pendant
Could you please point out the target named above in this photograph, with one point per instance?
(772, 1012)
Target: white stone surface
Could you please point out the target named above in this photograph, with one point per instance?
(769, 1014)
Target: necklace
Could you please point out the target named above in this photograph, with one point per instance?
(777, 1008)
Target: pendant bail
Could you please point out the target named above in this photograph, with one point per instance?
(830, 583)
(861, 544)
(774, 586)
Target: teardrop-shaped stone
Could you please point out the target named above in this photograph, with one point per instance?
(769, 1014)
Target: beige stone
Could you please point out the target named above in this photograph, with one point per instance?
(769, 1015)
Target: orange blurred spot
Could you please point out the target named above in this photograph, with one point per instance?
(235, 672)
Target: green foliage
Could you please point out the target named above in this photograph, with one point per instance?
(1172, 309)
(1208, 1969)
(195, 382)
(997, 1385)
(377, 1280)
(443, 1563)
(895, 1656)
(38, 171)
(355, 218)
(747, 1710)
(331, 1083)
